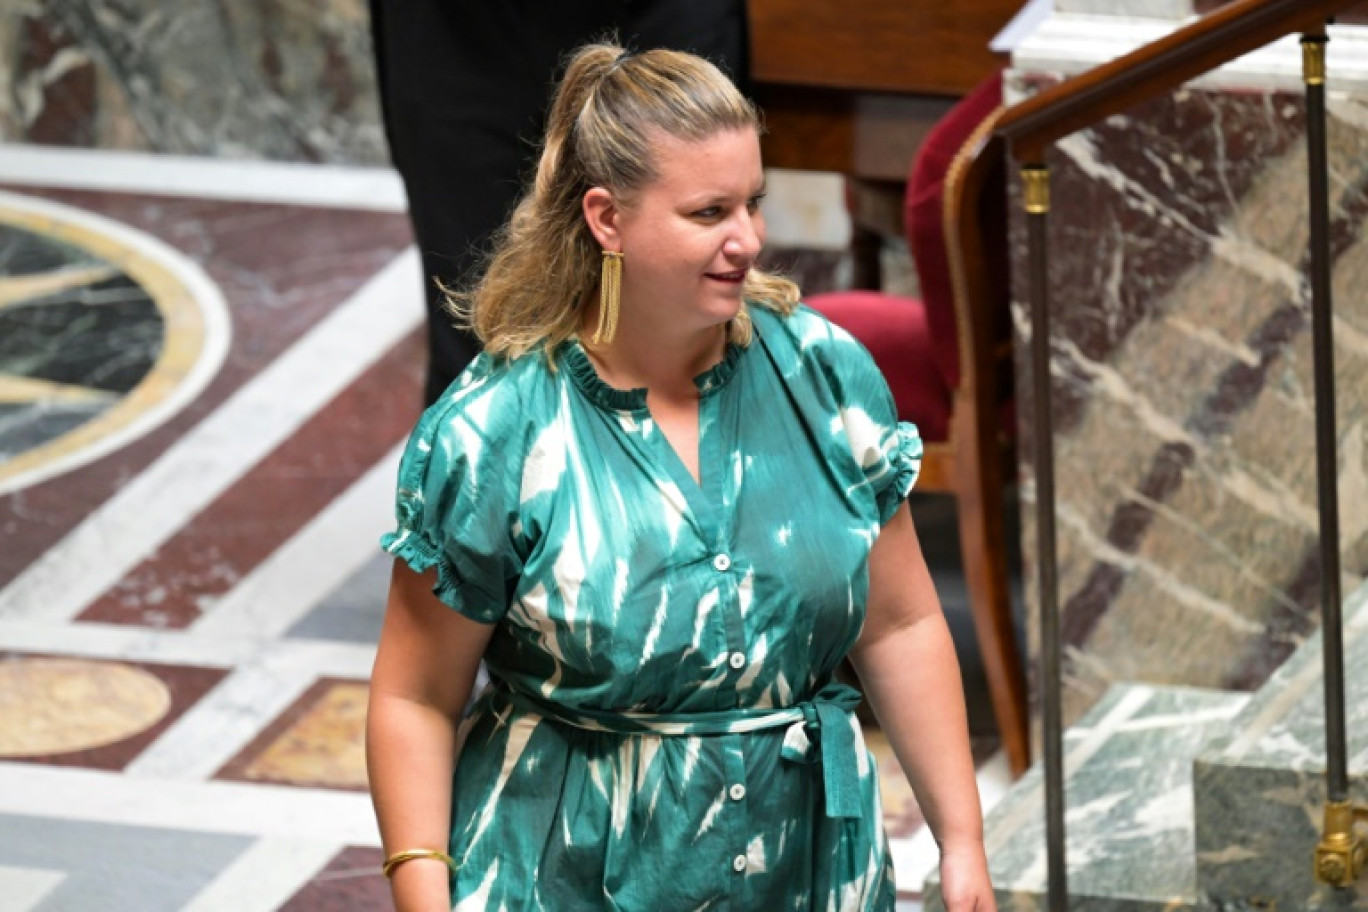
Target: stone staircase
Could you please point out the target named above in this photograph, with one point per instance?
(1180, 798)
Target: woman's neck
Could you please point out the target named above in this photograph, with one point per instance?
(666, 365)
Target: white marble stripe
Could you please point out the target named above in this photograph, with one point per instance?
(323, 555)
(803, 208)
(220, 449)
(22, 889)
(139, 644)
(226, 719)
(234, 808)
(289, 183)
(218, 331)
(263, 878)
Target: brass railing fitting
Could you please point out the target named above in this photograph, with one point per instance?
(1313, 59)
(1342, 852)
(1035, 189)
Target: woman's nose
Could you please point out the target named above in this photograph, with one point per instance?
(748, 237)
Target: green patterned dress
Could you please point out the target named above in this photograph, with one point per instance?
(662, 731)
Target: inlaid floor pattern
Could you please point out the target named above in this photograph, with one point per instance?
(202, 399)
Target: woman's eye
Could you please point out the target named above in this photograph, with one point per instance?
(753, 204)
(708, 213)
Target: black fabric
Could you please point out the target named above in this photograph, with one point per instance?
(464, 89)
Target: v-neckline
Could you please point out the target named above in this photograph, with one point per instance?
(696, 491)
(701, 495)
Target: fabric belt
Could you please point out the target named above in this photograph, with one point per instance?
(825, 719)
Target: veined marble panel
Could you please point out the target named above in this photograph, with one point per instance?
(278, 79)
(1260, 789)
(1128, 807)
(1186, 497)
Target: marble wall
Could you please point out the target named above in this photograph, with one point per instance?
(1181, 362)
(278, 79)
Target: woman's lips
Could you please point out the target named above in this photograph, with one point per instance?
(733, 277)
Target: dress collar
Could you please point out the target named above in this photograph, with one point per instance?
(576, 362)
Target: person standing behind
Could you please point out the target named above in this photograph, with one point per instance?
(463, 90)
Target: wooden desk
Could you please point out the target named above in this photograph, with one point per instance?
(854, 85)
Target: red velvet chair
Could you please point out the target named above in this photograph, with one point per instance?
(947, 358)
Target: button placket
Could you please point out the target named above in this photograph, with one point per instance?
(736, 816)
(736, 658)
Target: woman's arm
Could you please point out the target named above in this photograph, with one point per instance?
(424, 670)
(906, 661)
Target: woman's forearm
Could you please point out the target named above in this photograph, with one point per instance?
(912, 680)
(409, 756)
(424, 671)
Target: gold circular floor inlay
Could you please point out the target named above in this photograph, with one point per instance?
(105, 332)
(56, 706)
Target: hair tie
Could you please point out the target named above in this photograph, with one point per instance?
(617, 63)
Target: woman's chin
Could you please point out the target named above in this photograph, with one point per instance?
(724, 307)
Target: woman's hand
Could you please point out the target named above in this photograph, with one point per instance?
(964, 879)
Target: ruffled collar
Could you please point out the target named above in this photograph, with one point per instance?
(576, 363)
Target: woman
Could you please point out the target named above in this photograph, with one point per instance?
(665, 503)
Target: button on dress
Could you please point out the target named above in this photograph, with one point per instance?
(661, 730)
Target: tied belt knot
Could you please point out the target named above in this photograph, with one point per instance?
(826, 719)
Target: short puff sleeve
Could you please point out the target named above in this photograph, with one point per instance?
(888, 451)
(454, 511)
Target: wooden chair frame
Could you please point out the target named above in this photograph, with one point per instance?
(976, 461)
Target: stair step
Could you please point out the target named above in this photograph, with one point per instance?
(1261, 786)
(1128, 784)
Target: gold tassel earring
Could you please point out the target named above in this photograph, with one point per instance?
(610, 292)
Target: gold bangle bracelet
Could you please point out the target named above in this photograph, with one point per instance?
(399, 858)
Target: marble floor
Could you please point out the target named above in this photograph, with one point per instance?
(206, 372)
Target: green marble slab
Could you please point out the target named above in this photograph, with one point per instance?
(1261, 787)
(1128, 765)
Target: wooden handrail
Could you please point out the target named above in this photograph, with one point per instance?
(1215, 39)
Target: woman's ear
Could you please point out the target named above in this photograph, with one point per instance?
(601, 213)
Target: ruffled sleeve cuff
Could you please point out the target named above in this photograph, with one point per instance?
(903, 452)
(422, 555)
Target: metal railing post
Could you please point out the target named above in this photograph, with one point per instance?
(1036, 197)
(1323, 366)
(1340, 855)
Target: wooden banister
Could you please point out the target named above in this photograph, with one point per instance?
(1199, 47)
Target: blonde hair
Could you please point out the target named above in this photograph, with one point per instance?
(545, 264)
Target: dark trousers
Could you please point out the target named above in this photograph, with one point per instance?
(464, 89)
